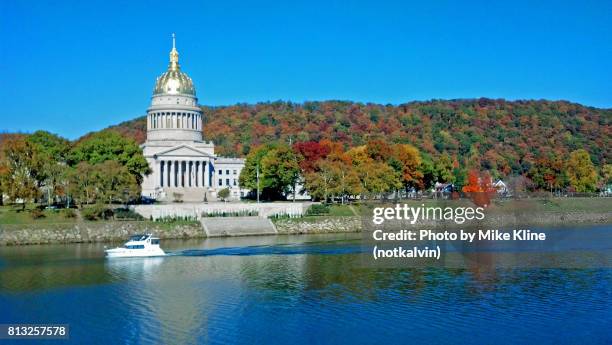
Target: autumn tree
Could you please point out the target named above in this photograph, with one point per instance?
(21, 167)
(321, 183)
(444, 169)
(311, 152)
(479, 187)
(581, 172)
(606, 173)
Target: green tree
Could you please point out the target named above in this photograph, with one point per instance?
(84, 180)
(116, 183)
(279, 170)
(52, 146)
(51, 151)
(581, 172)
(108, 145)
(428, 170)
(248, 175)
(224, 194)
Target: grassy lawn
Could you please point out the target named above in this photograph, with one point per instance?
(556, 204)
(341, 211)
(14, 215)
(497, 205)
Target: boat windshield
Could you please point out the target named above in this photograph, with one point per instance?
(137, 246)
(138, 238)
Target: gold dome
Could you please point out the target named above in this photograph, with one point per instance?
(173, 81)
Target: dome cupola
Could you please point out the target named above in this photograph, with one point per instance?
(174, 114)
(174, 81)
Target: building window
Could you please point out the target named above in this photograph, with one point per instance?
(234, 171)
(227, 172)
(227, 182)
(235, 182)
(220, 172)
(220, 182)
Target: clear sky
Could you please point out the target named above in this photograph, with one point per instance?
(71, 67)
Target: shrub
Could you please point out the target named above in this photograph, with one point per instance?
(317, 210)
(177, 219)
(224, 194)
(96, 212)
(37, 214)
(68, 213)
(240, 213)
(127, 214)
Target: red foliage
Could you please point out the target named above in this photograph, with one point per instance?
(479, 188)
(312, 153)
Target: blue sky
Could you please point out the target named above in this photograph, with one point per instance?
(71, 67)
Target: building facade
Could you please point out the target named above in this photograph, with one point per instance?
(184, 166)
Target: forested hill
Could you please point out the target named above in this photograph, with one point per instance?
(506, 136)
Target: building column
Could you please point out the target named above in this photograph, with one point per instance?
(160, 166)
(190, 172)
(183, 166)
(198, 174)
(180, 174)
(169, 169)
(194, 174)
(207, 174)
(186, 173)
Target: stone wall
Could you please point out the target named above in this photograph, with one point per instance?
(237, 226)
(100, 231)
(318, 225)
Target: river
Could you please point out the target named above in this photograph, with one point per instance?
(308, 289)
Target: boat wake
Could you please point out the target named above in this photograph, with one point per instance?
(279, 249)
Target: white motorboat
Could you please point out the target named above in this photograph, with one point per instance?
(143, 245)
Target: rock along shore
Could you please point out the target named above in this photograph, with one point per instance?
(98, 231)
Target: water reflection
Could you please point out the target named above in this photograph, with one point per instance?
(321, 292)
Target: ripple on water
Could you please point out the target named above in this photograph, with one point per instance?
(304, 293)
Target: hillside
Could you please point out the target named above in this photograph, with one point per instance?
(506, 136)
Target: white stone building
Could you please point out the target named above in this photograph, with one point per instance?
(180, 160)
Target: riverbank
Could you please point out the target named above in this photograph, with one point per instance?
(501, 214)
(94, 231)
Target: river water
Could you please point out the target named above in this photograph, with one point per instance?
(296, 290)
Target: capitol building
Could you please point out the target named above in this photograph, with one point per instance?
(184, 166)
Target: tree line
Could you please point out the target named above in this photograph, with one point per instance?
(532, 138)
(328, 169)
(103, 167)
